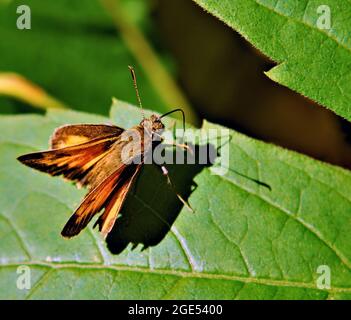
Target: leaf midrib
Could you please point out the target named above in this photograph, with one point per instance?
(168, 272)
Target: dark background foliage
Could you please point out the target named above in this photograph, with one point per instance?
(78, 52)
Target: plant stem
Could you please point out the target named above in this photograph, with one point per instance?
(162, 82)
(14, 85)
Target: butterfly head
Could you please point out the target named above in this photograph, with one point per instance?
(153, 124)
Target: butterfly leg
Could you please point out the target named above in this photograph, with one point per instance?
(183, 146)
(180, 145)
(165, 173)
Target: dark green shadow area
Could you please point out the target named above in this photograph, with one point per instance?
(152, 206)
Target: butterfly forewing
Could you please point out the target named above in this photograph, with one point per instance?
(72, 162)
(70, 135)
(75, 162)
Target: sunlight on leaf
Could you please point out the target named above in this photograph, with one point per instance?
(244, 241)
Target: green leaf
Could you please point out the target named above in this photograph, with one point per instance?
(311, 60)
(244, 241)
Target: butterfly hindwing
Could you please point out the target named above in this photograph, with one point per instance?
(115, 203)
(109, 194)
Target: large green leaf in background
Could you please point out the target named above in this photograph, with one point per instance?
(315, 62)
(243, 241)
(73, 52)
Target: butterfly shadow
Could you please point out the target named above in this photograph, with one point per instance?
(152, 206)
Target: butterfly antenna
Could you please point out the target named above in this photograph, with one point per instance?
(183, 115)
(136, 89)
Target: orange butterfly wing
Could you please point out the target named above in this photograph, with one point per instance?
(73, 134)
(94, 161)
(109, 194)
(74, 162)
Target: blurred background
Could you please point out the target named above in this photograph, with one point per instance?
(77, 52)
